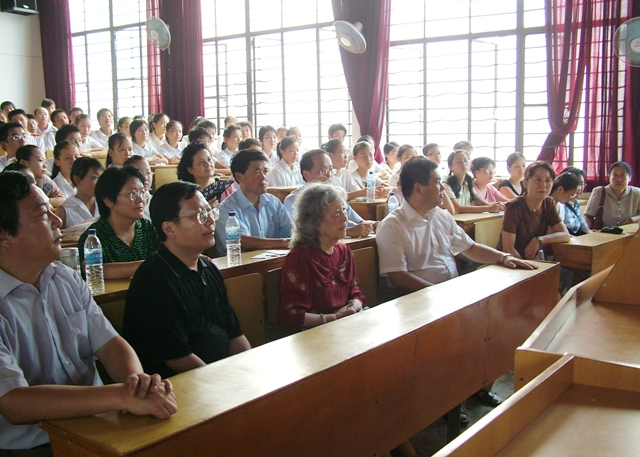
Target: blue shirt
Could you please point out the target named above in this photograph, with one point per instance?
(270, 220)
(47, 337)
(291, 199)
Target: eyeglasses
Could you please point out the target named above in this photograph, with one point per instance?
(134, 195)
(18, 137)
(204, 215)
(324, 171)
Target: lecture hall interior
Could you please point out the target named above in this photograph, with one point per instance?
(541, 77)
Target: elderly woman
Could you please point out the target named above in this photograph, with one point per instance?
(531, 220)
(319, 282)
(620, 202)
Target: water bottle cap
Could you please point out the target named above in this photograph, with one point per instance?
(232, 214)
(91, 232)
(391, 194)
(370, 172)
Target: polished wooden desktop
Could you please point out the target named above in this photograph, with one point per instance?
(357, 386)
(594, 251)
(367, 210)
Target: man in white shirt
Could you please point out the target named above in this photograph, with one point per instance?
(418, 241)
(51, 332)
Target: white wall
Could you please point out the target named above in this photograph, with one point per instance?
(22, 79)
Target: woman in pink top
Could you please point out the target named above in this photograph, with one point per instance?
(483, 169)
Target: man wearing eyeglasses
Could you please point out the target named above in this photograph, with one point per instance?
(12, 137)
(127, 238)
(177, 314)
(316, 166)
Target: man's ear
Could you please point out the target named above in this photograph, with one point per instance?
(169, 229)
(108, 203)
(5, 239)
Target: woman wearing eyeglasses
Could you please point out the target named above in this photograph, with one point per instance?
(127, 238)
(319, 282)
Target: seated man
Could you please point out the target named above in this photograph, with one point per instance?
(177, 314)
(127, 238)
(417, 242)
(20, 116)
(264, 222)
(315, 166)
(12, 137)
(51, 332)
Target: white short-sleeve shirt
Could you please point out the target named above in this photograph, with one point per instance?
(424, 247)
(283, 174)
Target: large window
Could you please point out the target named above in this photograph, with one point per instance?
(274, 63)
(110, 56)
(468, 70)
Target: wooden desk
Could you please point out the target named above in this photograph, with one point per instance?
(594, 251)
(367, 210)
(281, 192)
(577, 407)
(598, 318)
(484, 228)
(391, 371)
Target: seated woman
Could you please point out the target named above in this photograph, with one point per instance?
(142, 146)
(202, 135)
(564, 189)
(573, 217)
(33, 157)
(173, 146)
(197, 166)
(391, 162)
(287, 171)
(483, 169)
(512, 187)
(269, 139)
(232, 138)
(432, 152)
(459, 187)
(246, 129)
(405, 152)
(319, 282)
(531, 221)
(123, 126)
(120, 149)
(363, 158)
(619, 200)
(127, 238)
(64, 155)
(105, 120)
(157, 130)
(82, 206)
(143, 167)
(88, 144)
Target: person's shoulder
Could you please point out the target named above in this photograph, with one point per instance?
(516, 202)
(146, 225)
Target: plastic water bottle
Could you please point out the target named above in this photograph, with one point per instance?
(392, 203)
(232, 231)
(371, 187)
(93, 263)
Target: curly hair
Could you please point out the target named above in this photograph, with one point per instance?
(309, 211)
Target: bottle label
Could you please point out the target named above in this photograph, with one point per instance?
(232, 233)
(93, 257)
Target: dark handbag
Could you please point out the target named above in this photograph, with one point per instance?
(597, 221)
(216, 189)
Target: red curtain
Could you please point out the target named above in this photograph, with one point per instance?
(57, 53)
(568, 33)
(182, 72)
(631, 145)
(153, 65)
(367, 74)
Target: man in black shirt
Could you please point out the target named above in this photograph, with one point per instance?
(177, 314)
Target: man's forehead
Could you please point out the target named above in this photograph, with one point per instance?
(257, 164)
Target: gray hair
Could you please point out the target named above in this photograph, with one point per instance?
(309, 211)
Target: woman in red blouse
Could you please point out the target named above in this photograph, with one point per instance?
(318, 282)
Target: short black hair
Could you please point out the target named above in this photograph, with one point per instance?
(429, 146)
(264, 130)
(285, 143)
(102, 110)
(207, 124)
(57, 150)
(135, 125)
(166, 203)
(361, 145)
(116, 140)
(416, 170)
(404, 148)
(462, 144)
(47, 102)
(14, 186)
(390, 146)
(133, 159)
(4, 129)
(74, 109)
(240, 163)
(576, 170)
(5, 104)
(84, 165)
(81, 117)
(306, 162)
(186, 161)
(197, 133)
(624, 165)
(480, 162)
(55, 114)
(16, 112)
(511, 159)
(333, 128)
(111, 183)
(250, 143)
(229, 130)
(64, 131)
(332, 145)
(567, 180)
(25, 152)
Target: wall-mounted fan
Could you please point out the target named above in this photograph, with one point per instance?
(626, 42)
(158, 33)
(350, 36)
